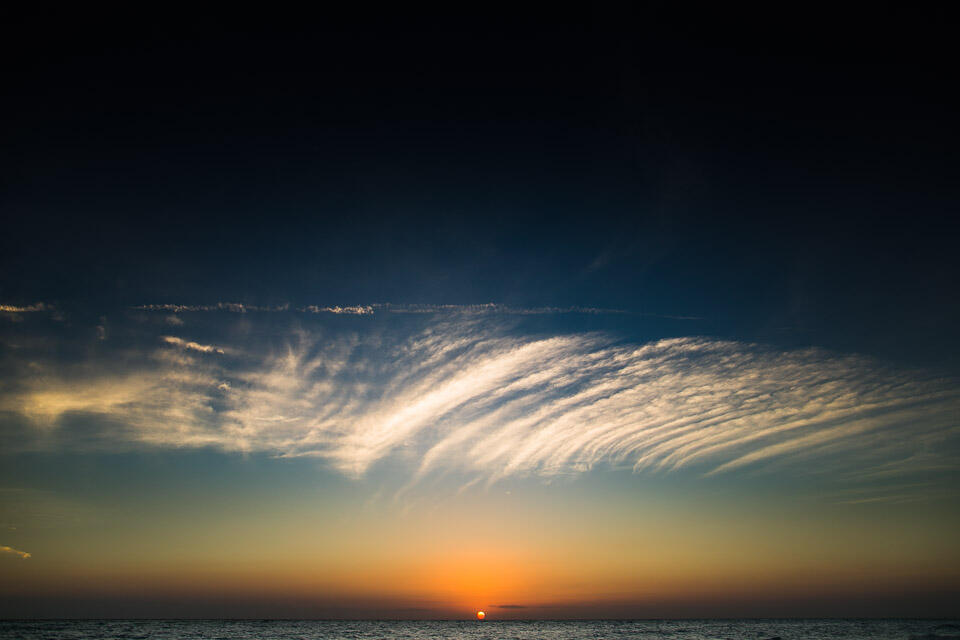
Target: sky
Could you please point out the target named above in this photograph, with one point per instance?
(647, 314)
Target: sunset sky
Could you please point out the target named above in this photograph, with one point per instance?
(573, 317)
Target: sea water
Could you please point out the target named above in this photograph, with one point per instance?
(791, 629)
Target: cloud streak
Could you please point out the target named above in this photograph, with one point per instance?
(190, 345)
(490, 308)
(32, 308)
(232, 307)
(361, 310)
(467, 398)
(16, 552)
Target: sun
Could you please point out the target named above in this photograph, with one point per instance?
(481, 615)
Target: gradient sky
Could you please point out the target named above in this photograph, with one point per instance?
(634, 315)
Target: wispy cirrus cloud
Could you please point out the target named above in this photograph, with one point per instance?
(467, 397)
(16, 552)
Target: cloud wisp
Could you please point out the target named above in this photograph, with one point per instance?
(189, 345)
(16, 552)
(464, 397)
(31, 308)
(232, 307)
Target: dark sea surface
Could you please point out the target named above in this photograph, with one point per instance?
(488, 630)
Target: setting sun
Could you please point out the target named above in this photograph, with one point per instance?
(481, 615)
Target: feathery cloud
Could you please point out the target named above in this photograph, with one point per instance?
(461, 396)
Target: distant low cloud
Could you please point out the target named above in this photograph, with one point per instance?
(370, 309)
(488, 308)
(232, 307)
(464, 395)
(362, 310)
(16, 552)
(509, 606)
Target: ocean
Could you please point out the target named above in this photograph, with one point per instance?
(791, 629)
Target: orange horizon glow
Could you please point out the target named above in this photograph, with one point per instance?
(447, 558)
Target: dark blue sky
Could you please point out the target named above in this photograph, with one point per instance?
(785, 178)
(246, 366)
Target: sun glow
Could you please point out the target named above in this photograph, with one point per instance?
(481, 615)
